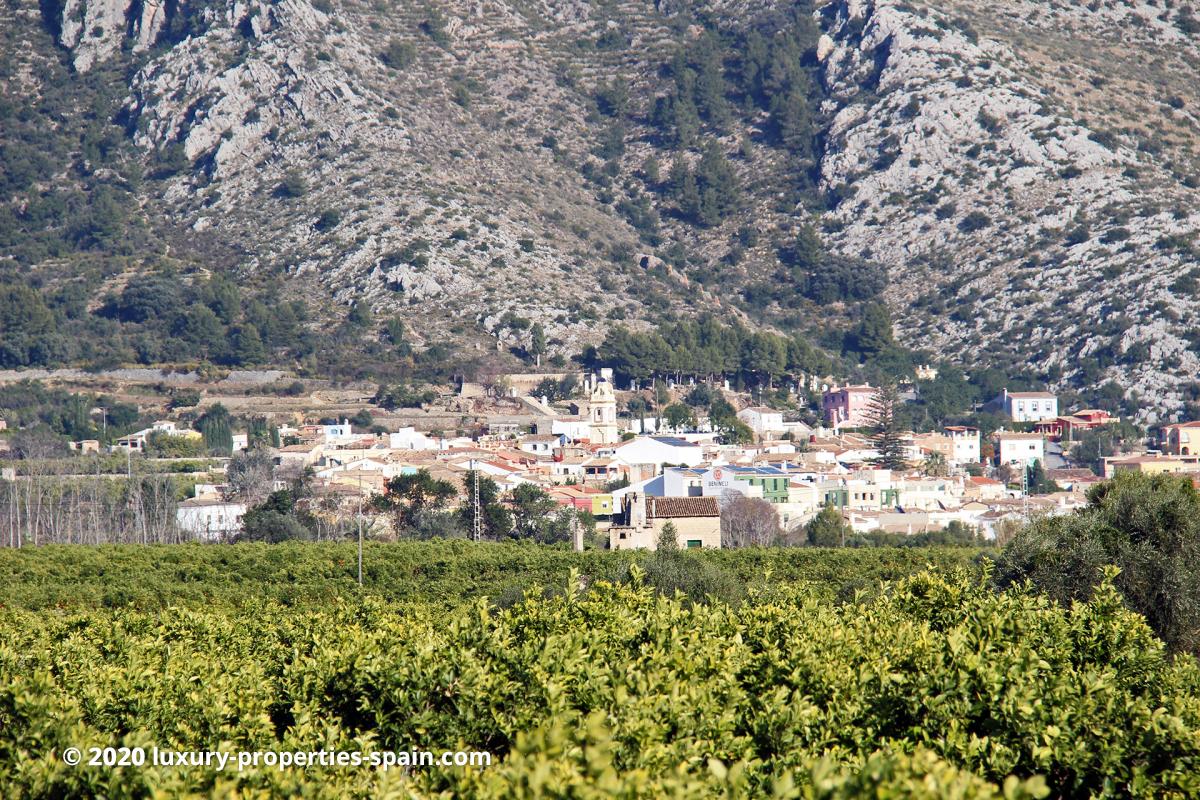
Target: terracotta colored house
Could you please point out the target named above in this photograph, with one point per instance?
(1057, 427)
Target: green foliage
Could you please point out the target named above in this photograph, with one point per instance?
(708, 194)
(163, 445)
(677, 415)
(704, 348)
(497, 520)
(537, 517)
(27, 327)
(445, 574)
(409, 497)
(938, 687)
(1037, 480)
(398, 54)
(216, 427)
(827, 529)
(269, 525)
(887, 430)
(808, 272)
(668, 538)
(402, 396)
(293, 185)
(874, 334)
(555, 390)
(68, 414)
(1147, 526)
(434, 26)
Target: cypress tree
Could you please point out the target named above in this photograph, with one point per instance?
(216, 428)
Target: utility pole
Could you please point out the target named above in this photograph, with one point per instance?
(360, 529)
(1025, 487)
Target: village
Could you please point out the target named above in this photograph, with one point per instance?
(630, 475)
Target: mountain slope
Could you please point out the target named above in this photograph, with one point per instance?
(1024, 172)
(1036, 211)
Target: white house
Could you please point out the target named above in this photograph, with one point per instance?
(342, 430)
(408, 439)
(681, 482)
(1029, 406)
(1020, 448)
(541, 444)
(966, 444)
(574, 428)
(210, 519)
(762, 420)
(136, 442)
(660, 450)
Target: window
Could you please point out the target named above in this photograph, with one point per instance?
(694, 544)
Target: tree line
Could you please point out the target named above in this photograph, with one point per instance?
(706, 349)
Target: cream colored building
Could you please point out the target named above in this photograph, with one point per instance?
(602, 411)
(697, 522)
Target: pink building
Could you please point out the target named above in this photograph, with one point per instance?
(848, 406)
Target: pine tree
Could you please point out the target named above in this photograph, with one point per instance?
(248, 346)
(874, 333)
(807, 250)
(684, 190)
(887, 437)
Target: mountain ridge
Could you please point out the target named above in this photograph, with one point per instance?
(468, 166)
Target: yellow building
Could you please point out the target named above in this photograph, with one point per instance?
(1181, 439)
(1151, 465)
(602, 505)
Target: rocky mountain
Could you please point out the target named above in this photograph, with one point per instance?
(1024, 171)
(1030, 169)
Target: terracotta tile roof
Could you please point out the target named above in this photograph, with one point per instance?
(663, 507)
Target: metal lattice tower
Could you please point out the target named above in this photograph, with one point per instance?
(477, 520)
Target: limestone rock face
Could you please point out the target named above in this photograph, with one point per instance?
(1011, 224)
(93, 29)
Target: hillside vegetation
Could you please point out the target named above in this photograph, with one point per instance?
(353, 167)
